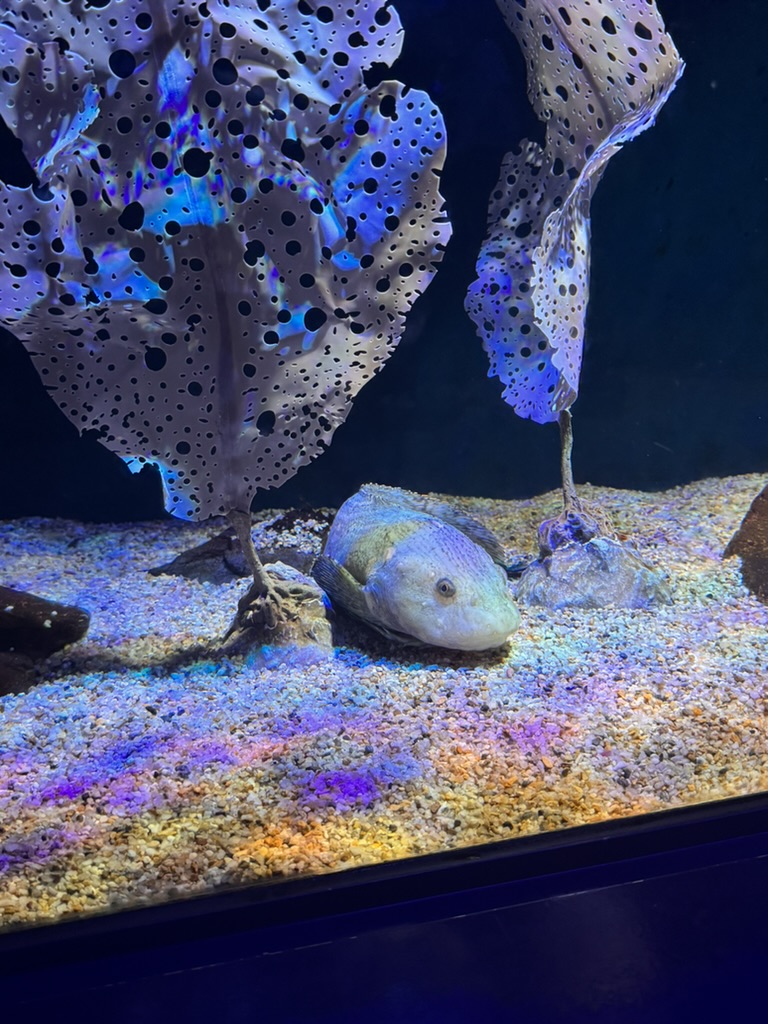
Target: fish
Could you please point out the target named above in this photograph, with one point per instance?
(417, 570)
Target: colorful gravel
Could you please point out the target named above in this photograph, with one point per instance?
(145, 767)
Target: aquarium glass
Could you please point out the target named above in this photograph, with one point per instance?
(503, 260)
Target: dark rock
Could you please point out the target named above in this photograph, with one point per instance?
(17, 673)
(215, 561)
(221, 558)
(37, 627)
(750, 542)
(597, 574)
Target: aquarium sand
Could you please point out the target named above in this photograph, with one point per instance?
(146, 766)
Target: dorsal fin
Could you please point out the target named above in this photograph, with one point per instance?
(476, 531)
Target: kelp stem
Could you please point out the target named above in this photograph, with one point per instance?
(241, 522)
(570, 498)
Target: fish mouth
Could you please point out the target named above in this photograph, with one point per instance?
(479, 644)
(473, 642)
(481, 637)
(469, 645)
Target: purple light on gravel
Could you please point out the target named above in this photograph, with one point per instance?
(119, 767)
(40, 846)
(127, 794)
(344, 788)
(68, 790)
(395, 769)
(197, 753)
(308, 721)
(532, 737)
(133, 752)
(134, 755)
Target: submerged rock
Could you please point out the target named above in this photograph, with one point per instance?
(36, 627)
(577, 524)
(215, 561)
(303, 619)
(597, 574)
(751, 542)
(221, 558)
(17, 673)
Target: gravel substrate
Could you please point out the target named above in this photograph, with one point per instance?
(143, 768)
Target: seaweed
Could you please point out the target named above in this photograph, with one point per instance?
(598, 73)
(226, 228)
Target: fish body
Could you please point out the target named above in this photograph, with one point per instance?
(417, 570)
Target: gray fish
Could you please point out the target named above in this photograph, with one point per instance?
(417, 570)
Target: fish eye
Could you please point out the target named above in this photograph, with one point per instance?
(445, 588)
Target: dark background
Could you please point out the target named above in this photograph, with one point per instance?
(675, 379)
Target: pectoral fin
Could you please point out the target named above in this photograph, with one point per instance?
(341, 586)
(345, 591)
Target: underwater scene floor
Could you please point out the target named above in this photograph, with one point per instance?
(144, 766)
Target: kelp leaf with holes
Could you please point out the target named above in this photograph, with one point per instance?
(228, 230)
(598, 74)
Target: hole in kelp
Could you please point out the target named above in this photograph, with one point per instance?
(15, 169)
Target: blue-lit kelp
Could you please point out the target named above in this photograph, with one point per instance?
(226, 230)
(599, 71)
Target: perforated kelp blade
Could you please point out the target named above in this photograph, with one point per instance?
(598, 73)
(229, 226)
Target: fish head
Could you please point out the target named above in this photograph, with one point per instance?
(439, 587)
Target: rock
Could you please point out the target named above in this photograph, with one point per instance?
(295, 558)
(302, 614)
(221, 557)
(597, 574)
(17, 673)
(215, 561)
(750, 542)
(577, 524)
(36, 627)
